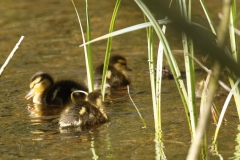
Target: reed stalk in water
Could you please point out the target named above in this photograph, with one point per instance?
(189, 65)
(168, 53)
(11, 55)
(150, 39)
(87, 50)
(159, 81)
(108, 48)
(216, 70)
(234, 51)
(88, 56)
(139, 113)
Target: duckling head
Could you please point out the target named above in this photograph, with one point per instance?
(39, 84)
(95, 98)
(119, 63)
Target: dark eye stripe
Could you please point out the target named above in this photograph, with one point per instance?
(37, 82)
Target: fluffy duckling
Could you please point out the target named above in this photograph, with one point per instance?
(117, 73)
(84, 113)
(45, 91)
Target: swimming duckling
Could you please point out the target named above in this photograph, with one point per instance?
(117, 73)
(84, 113)
(47, 92)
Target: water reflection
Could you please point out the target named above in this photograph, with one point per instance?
(95, 156)
(214, 151)
(237, 147)
(159, 148)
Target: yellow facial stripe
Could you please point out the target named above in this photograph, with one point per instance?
(82, 111)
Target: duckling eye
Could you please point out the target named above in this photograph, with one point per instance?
(124, 64)
(35, 84)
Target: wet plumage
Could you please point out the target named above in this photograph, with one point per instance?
(117, 73)
(84, 113)
(45, 91)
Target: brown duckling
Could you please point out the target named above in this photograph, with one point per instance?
(117, 73)
(47, 92)
(84, 113)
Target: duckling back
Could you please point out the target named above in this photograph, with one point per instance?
(81, 113)
(45, 91)
(117, 73)
(84, 113)
(116, 78)
(60, 92)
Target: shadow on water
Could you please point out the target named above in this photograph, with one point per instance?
(51, 43)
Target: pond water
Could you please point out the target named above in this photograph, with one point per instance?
(52, 37)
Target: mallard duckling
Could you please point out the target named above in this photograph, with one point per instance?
(166, 73)
(117, 73)
(44, 91)
(84, 113)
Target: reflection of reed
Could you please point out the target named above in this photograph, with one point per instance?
(160, 155)
(214, 151)
(109, 147)
(237, 148)
(95, 156)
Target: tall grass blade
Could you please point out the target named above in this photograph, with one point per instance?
(150, 40)
(108, 50)
(156, 88)
(216, 70)
(234, 49)
(226, 104)
(159, 80)
(88, 58)
(90, 81)
(126, 30)
(207, 15)
(171, 60)
(189, 67)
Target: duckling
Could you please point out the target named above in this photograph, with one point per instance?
(84, 113)
(117, 73)
(166, 73)
(45, 91)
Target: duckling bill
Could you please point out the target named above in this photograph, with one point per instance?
(84, 113)
(117, 73)
(45, 91)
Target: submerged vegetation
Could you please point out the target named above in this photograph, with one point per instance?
(191, 36)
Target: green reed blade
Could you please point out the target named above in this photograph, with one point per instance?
(169, 56)
(108, 49)
(159, 80)
(207, 15)
(150, 40)
(126, 30)
(234, 49)
(226, 104)
(87, 59)
(189, 68)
